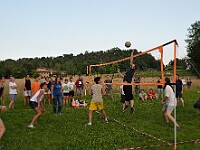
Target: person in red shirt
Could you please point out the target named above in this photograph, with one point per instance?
(152, 95)
(79, 87)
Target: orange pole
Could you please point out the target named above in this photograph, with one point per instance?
(161, 64)
(174, 62)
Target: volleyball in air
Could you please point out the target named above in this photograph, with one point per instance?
(128, 44)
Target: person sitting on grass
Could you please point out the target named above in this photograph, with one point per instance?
(36, 104)
(152, 95)
(169, 103)
(142, 95)
(97, 100)
(197, 106)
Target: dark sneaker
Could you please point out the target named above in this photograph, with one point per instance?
(132, 110)
(126, 107)
(178, 128)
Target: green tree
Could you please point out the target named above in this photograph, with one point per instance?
(193, 47)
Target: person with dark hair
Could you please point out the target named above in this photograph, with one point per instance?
(56, 91)
(197, 106)
(97, 100)
(27, 89)
(36, 104)
(169, 103)
(109, 89)
(79, 87)
(2, 81)
(35, 86)
(179, 89)
(128, 88)
(47, 94)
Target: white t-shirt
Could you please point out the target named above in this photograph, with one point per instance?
(12, 91)
(65, 88)
(122, 91)
(34, 98)
(71, 86)
(171, 96)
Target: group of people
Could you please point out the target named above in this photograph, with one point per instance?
(61, 91)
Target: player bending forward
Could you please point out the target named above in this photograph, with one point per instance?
(36, 104)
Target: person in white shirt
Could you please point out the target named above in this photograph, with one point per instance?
(71, 86)
(169, 103)
(36, 105)
(65, 91)
(12, 92)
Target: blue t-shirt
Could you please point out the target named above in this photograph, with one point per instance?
(56, 89)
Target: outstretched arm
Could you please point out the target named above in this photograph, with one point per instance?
(120, 74)
(131, 59)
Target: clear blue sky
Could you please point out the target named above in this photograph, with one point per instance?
(41, 28)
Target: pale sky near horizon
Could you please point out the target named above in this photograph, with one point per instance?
(43, 28)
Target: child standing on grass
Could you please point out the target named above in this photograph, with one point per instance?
(36, 104)
(12, 92)
(169, 103)
(97, 100)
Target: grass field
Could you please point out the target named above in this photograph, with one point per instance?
(123, 130)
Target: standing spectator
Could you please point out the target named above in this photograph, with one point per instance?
(47, 93)
(27, 89)
(142, 95)
(184, 83)
(109, 87)
(79, 87)
(56, 91)
(65, 92)
(97, 100)
(12, 92)
(179, 90)
(123, 97)
(35, 86)
(169, 103)
(137, 80)
(71, 86)
(159, 87)
(2, 81)
(189, 83)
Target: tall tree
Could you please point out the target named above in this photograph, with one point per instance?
(193, 47)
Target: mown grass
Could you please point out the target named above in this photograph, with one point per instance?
(69, 131)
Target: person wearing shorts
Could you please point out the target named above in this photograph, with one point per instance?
(12, 92)
(27, 89)
(128, 88)
(97, 100)
(79, 87)
(65, 91)
(169, 103)
(123, 98)
(71, 86)
(36, 104)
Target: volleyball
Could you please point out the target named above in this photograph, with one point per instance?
(128, 44)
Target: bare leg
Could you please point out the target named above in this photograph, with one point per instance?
(2, 128)
(90, 116)
(182, 101)
(132, 103)
(168, 114)
(11, 105)
(37, 116)
(104, 114)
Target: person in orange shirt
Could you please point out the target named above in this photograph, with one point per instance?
(35, 86)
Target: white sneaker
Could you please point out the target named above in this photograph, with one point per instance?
(89, 124)
(30, 126)
(106, 120)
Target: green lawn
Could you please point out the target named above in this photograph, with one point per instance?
(69, 131)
